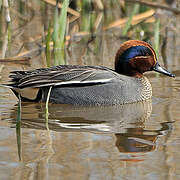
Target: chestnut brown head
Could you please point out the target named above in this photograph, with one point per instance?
(136, 57)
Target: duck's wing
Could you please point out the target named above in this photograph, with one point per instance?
(64, 75)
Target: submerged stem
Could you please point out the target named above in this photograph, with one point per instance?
(18, 128)
(47, 112)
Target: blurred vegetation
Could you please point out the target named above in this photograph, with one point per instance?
(156, 36)
(88, 26)
(81, 19)
(59, 29)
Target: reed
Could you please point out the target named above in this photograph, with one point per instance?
(46, 110)
(157, 36)
(60, 23)
(48, 46)
(129, 21)
(18, 128)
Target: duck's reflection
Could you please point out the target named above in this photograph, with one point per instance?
(139, 139)
(126, 122)
(135, 141)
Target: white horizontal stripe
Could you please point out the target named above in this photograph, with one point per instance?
(83, 82)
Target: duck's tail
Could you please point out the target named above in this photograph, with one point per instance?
(27, 94)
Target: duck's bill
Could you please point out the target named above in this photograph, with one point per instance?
(161, 70)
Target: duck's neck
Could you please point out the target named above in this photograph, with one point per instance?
(128, 71)
(132, 74)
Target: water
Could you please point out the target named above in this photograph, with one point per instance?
(135, 141)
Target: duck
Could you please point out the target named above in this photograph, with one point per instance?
(93, 85)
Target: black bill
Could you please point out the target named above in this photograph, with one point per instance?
(159, 69)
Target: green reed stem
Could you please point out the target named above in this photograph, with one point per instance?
(60, 23)
(86, 5)
(128, 23)
(18, 128)
(157, 36)
(48, 46)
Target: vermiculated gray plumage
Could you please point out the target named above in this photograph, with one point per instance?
(83, 85)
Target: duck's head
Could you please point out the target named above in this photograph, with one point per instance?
(136, 57)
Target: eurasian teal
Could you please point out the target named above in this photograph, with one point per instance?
(93, 85)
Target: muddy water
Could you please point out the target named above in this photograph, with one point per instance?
(135, 141)
(138, 140)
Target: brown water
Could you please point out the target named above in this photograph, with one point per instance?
(135, 141)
